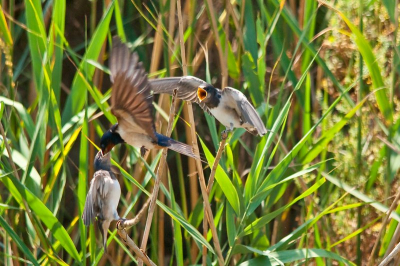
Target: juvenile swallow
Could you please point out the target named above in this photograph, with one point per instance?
(103, 196)
(229, 106)
(132, 104)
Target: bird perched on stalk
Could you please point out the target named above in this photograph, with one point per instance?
(132, 104)
(229, 106)
(103, 196)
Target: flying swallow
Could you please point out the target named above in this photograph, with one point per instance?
(103, 196)
(132, 104)
(229, 106)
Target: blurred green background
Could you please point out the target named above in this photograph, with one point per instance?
(315, 190)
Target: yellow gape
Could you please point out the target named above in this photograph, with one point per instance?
(201, 93)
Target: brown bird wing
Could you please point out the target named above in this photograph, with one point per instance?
(245, 110)
(94, 198)
(131, 98)
(186, 87)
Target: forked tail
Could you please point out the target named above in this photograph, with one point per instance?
(177, 146)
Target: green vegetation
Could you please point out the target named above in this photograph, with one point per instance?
(315, 190)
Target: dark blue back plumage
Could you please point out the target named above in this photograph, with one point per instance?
(162, 140)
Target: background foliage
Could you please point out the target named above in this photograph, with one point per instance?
(316, 189)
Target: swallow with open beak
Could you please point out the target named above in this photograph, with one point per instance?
(103, 196)
(132, 104)
(229, 106)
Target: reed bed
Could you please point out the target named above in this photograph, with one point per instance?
(320, 188)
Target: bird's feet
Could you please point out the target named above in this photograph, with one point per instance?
(224, 133)
(143, 151)
(120, 223)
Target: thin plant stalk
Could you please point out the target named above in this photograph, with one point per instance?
(391, 256)
(224, 69)
(209, 187)
(142, 256)
(383, 226)
(157, 182)
(161, 229)
(393, 241)
(156, 56)
(10, 159)
(222, 144)
(359, 134)
(125, 224)
(203, 187)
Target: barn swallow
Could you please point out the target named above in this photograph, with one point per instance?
(103, 196)
(229, 106)
(132, 104)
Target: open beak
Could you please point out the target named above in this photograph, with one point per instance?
(201, 94)
(107, 149)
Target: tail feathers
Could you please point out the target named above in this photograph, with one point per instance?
(103, 227)
(182, 148)
(174, 145)
(254, 131)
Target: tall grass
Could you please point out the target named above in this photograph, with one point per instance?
(316, 189)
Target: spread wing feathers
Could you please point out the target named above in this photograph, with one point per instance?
(250, 118)
(88, 212)
(131, 93)
(250, 115)
(186, 87)
(95, 197)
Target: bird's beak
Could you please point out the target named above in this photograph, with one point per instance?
(107, 149)
(201, 94)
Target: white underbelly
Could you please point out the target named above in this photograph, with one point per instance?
(227, 117)
(115, 194)
(109, 210)
(139, 140)
(136, 139)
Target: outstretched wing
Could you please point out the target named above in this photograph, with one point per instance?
(131, 98)
(186, 88)
(248, 114)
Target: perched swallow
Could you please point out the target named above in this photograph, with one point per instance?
(132, 104)
(229, 106)
(103, 196)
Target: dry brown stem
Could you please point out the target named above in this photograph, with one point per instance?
(203, 187)
(128, 241)
(157, 182)
(209, 187)
(384, 223)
